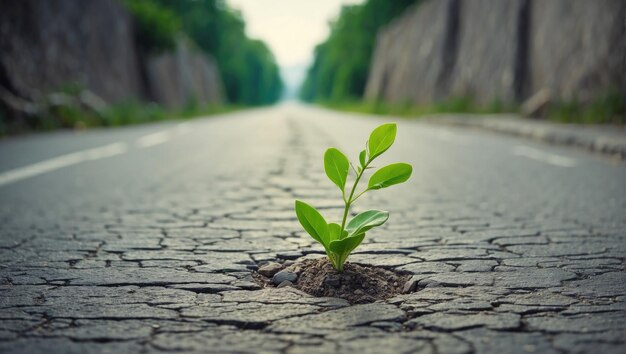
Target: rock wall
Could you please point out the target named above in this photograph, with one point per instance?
(578, 47)
(415, 37)
(490, 56)
(184, 76)
(46, 46)
(492, 50)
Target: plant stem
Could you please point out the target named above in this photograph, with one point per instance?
(349, 201)
(360, 194)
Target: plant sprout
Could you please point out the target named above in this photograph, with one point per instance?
(340, 240)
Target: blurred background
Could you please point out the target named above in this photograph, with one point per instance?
(76, 64)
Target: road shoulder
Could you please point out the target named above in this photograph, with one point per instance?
(607, 140)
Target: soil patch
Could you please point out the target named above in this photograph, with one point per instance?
(357, 284)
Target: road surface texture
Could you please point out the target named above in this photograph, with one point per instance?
(145, 239)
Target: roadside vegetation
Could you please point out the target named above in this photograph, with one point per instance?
(341, 63)
(410, 110)
(132, 112)
(607, 109)
(73, 107)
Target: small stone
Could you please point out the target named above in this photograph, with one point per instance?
(411, 284)
(284, 275)
(270, 269)
(284, 284)
(358, 292)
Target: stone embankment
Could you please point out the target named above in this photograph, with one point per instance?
(507, 51)
(51, 47)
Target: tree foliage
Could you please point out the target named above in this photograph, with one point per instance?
(341, 63)
(155, 25)
(248, 68)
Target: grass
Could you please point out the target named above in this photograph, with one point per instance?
(127, 113)
(606, 109)
(609, 108)
(455, 105)
(130, 113)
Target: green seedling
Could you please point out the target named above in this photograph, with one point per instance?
(340, 240)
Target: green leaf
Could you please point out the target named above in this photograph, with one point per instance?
(344, 247)
(390, 175)
(313, 222)
(336, 165)
(335, 232)
(347, 244)
(366, 221)
(381, 139)
(362, 157)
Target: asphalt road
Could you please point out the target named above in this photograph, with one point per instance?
(143, 238)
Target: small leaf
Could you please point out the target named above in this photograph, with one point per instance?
(362, 157)
(390, 175)
(345, 246)
(334, 233)
(336, 165)
(381, 139)
(313, 222)
(366, 221)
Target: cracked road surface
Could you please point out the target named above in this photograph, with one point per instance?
(144, 239)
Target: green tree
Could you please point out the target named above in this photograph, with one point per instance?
(155, 25)
(341, 63)
(248, 68)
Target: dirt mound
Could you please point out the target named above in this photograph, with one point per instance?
(357, 284)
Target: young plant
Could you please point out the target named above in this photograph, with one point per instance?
(340, 240)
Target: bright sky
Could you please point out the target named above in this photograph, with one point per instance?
(291, 28)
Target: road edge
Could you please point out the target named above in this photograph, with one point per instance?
(607, 140)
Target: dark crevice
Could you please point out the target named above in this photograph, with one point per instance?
(521, 75)
(241, 325)
(450, 46)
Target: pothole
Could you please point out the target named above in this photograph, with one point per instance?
(357, 284)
